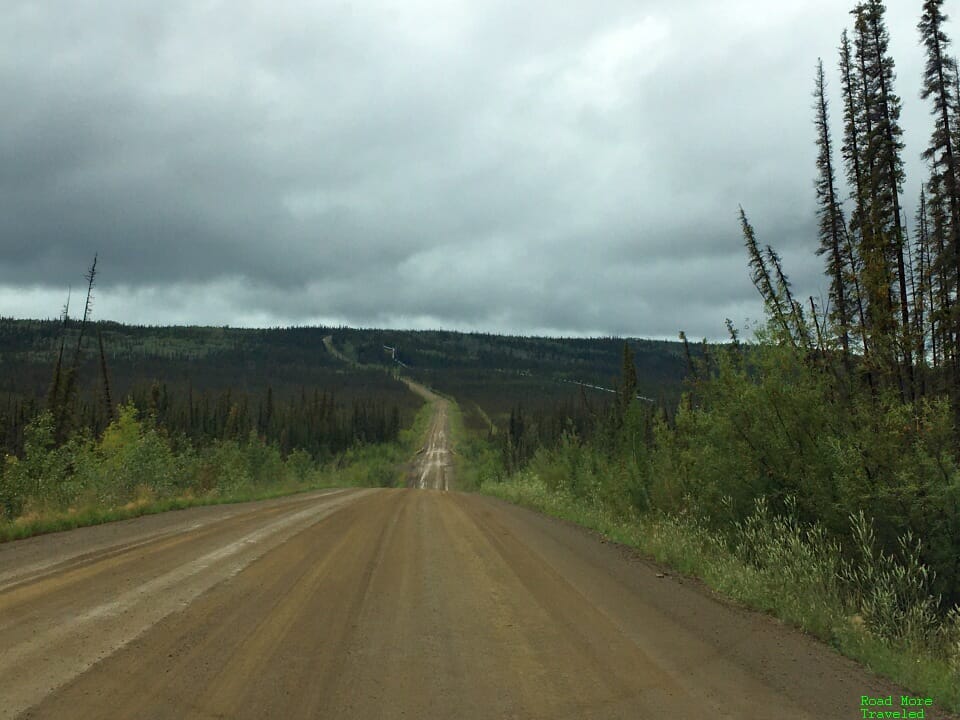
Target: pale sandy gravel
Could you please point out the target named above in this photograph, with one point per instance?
(96, 590)
(433, 465)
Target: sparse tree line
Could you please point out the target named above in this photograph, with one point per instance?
(316, 422)
(83, 444)
(892, 317)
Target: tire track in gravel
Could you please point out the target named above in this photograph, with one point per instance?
(400, 603)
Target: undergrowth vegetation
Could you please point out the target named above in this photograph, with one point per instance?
(784, 487)
(474, 458)
(135, 467)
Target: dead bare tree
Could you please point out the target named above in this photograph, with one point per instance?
(70, 381)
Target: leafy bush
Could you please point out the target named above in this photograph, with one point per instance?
(132, 455)
(264, 462)
(36, 478)
(299, 465)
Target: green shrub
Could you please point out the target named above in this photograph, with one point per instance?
(264, 462)
(299, 465)
(133, 456)
(38, 478)
(228, 466)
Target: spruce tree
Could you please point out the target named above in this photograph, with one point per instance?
(628, 379)
(53, 394)
(799, 327)
(831, 218)
(939, 85)
(941, 270)
(105, 379)
(762, 280)
(923, 300)
(64, 417)
(852, 131)
(851, 154)
(884, 248)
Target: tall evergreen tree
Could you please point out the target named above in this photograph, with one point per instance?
(63, 418)
(105, 379)
(852, 155)
(939, 81)
(875, 274)
(832, 223)
(922, 299)
(799, 327)
(53, 394)
(886, 176)
(628, 379)
(939, 85)
(942, 273)
(852, 130)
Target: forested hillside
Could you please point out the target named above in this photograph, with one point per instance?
(494, 375)
(283, 381)
(193, 403)
(100, 420)
(204, 382)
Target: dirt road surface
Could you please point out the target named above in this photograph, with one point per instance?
(404, 603)
(332, 349)
(433, 466)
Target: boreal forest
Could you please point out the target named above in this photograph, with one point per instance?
(808, 467)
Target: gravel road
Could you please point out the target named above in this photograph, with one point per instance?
(403, 603)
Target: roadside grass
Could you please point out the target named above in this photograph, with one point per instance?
(411, 438)
(41, 522)
(474, 457)
(466, 474)
(385, 464)
(869, 608)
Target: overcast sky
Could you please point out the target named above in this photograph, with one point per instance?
(538, 167)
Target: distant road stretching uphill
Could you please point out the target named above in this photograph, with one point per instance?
(433, 467)
(406, 603)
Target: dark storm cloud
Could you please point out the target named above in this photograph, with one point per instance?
(543, 167)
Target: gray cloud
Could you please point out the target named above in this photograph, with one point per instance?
(571, 168)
